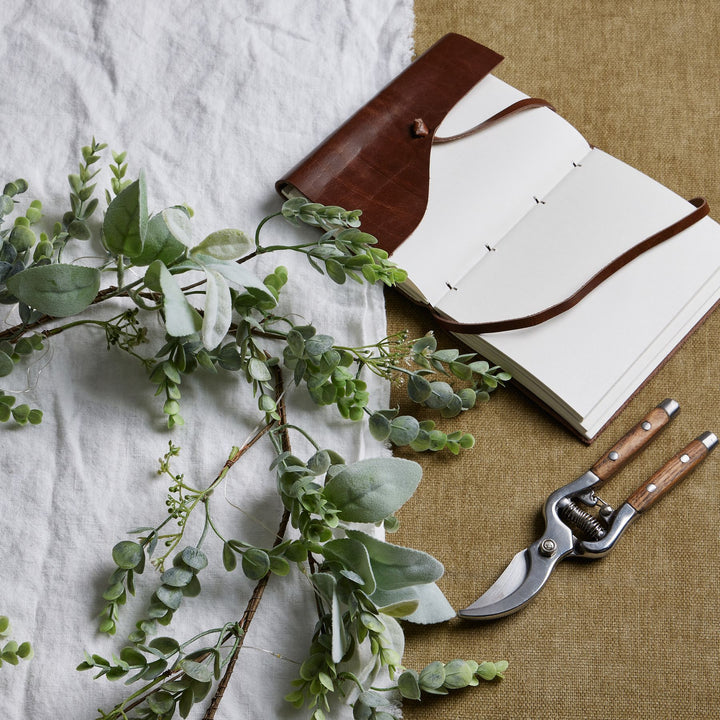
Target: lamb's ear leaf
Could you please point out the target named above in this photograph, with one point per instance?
(57, 290)
(218, 310)
(181, 318)
(370, 490)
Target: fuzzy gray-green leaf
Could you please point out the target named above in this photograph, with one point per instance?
(395, 566)
(181, 318)
(372, 489)
(57, 290)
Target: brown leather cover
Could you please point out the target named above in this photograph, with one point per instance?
(378, 161)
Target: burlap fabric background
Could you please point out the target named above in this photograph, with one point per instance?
(634, 635)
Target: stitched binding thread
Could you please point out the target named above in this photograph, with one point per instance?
(701, 210)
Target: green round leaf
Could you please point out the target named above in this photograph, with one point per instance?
(458, 674)
(22, 238)
(170, 597)
(440, 395)
(197, 671)
(403, 430)
(409, 685)
(379, 427)
(79, 230)
(255, 563)
(194, 558)
(127, 554)
(418, 388)
(259, 370)
(432, 676)
(166, 645)
(6, 364)
(229, 557)
(161, 702)
(177, 577)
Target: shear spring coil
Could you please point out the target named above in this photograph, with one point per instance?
(582, 520)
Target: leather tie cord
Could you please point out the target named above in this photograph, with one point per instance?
(524, 104)
(701, 210)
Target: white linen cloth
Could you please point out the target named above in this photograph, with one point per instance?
(215, 100)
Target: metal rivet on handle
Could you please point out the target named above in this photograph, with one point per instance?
(613, 456)
(646, 426)
(652, 487)
(684, 458)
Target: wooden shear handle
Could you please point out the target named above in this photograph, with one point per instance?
(672, 472)
(634, 440)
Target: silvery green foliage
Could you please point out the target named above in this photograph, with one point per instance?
(193, 668)
(222, 325)
(363, 584)
(10, 651)
(436, 678)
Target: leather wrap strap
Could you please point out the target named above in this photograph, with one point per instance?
(701, 210)
(524, 104)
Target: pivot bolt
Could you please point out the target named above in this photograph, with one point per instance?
(548, 547)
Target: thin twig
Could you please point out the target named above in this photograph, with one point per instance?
(254, 602)
(259, 588)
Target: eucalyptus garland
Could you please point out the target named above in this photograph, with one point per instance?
(219, 316)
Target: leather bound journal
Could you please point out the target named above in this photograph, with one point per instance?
(572, 270)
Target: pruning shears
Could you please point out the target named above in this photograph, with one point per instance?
(580, 524)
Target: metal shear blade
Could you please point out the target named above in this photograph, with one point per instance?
(572, 531)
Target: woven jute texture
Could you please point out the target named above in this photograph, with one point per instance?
(635, 635)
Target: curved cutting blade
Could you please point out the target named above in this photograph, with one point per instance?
(521, 580)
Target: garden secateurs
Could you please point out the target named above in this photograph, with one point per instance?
(571, 530)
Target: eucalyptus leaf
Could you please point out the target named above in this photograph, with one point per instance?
(197, 671)
(259, 370)
(409, 685)
(379, 426)
(395, 566)
(6, 364)
(127, 554)
(255, 563)
(165, 645)
(370, 490)
(403, 430)
(126, 220)
(177, 221)
(57, 290)
(418, 388)
(160, 702)
(170, 597)
(194, 558)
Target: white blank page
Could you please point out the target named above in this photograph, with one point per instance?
(482, 185)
